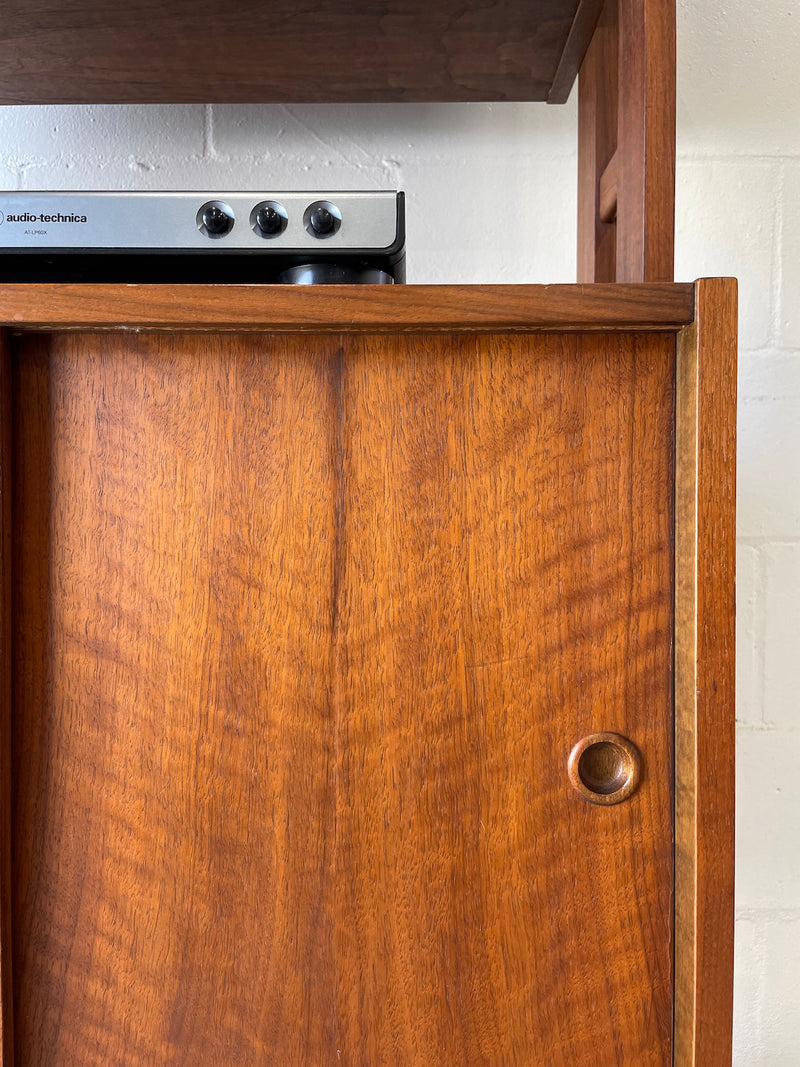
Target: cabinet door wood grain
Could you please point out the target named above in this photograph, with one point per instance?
(305, 627)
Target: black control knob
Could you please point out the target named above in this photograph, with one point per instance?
(216, 220)
(322, 222)
(269, 221)
(322, 219)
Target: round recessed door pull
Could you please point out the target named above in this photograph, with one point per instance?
(604, 768)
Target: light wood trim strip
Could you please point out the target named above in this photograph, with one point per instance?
(6, 989)
(357, 308)
(704, 678)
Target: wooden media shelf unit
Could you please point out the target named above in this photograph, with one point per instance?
(368, 652)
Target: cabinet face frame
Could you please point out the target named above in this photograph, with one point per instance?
(703, 320)
(705, 563)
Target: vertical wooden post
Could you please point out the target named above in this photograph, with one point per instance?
(597, 143)
(626, 145)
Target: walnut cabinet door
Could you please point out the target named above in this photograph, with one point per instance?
(305, 627)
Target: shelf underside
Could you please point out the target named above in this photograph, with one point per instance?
(196, 51)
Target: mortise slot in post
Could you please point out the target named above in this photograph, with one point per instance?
(608, 191)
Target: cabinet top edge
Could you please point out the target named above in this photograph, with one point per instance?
(352, 308)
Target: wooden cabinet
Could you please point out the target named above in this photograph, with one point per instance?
(309, 596)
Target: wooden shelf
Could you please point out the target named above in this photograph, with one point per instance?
(206, 51)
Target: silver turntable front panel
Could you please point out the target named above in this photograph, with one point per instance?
(205, 221)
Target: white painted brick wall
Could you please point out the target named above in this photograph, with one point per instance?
(512, 168)
(738, 212)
